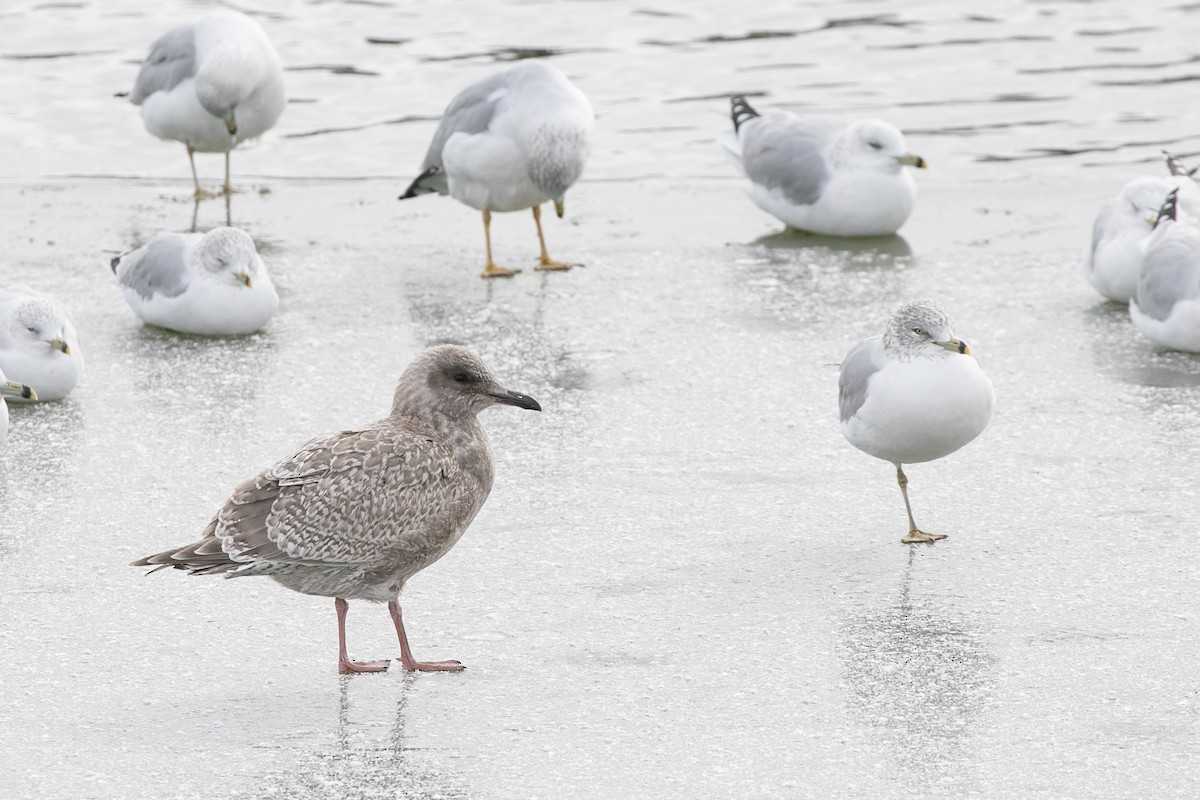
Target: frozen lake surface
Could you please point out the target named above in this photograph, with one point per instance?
(686, 584)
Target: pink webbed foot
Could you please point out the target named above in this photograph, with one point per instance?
(348, 667)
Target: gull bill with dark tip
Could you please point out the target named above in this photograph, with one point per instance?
(517, 399)
(19, 390)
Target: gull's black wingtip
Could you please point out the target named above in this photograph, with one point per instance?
(740, 110)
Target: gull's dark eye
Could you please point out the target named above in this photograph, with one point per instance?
(918, 332)
(462, 377)
(31, 329)
(875, 145)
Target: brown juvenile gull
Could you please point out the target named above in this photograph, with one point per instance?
(355, 514)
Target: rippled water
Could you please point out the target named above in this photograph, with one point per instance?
(685, 584)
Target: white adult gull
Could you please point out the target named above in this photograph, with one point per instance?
(913, 394)
(1120, 232)
(213, 284)
(39, 345)
(16, 391)
(512, 141)
(355, 514)
(211, 85)
(822, 174)
(1166, 306)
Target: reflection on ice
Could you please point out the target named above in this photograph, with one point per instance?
(366, 754)
(919, 676)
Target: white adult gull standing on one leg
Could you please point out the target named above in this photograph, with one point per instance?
(822, 174)
(512, 141)
(211, 85)
(913, 394)
(1166, 306)
(212, 284)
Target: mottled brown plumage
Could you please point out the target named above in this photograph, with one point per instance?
(354, 514)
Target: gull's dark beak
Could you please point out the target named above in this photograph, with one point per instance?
(231, 124)
(517, 399)
(560, 207)
(910, 160)
(955, 346)
(60, 344)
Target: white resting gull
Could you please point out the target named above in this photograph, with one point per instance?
(913, 394)
(213, 284)
(1119, 235)
(39, 345)
(211, 85)
(822, 174)
(509, 142)
(1166, 307)
(355, 514)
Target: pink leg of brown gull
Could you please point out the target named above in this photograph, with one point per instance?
(344, 662)
(406, 656)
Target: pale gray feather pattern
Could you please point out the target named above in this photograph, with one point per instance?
(1170, 273)
(863, 361)
(787, 153)
(158, 268)
(171, 61)
(343, 500)
(1103, 220)
(470, 112)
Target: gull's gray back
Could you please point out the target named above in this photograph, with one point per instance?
(783, 152)
(158, 268)
(470, 112)
(1170, 271)
(863, 361)
(172, 59)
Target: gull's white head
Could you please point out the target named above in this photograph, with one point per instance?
(228, 255)
(871, 144)
(40, 327)
(922, 329)
(1141, 198)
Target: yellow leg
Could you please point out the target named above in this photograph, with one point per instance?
(199, 194)
(915, 534)
(545, 262)
(490, 270)
(228, 189)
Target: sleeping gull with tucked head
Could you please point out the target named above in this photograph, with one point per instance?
(17, 391)
(1166, 306)
(211, 85)
(213, 284)
(355, 514)
(512, 141)
(39, 345)
(824, 175)
(913, 394)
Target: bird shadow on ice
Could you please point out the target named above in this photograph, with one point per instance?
(367, 754)
(1119, 349)
(799, 279)
(862, 252)
(917, 673)
(209, 383)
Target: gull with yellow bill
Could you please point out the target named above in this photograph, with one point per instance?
(824, 175)
(39, 346)
(212, 284)
(913, 394)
